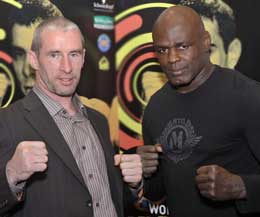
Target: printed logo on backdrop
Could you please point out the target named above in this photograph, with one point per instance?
(104, 5)
(103, 64)
(178, 139)
(7, 80)
(104, 43)
(103, 22)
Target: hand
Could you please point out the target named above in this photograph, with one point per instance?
(149, 155)
(131, 168)
(29, 157)
(216, 183)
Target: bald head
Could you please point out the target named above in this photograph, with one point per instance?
(182, 46)
(179, 16)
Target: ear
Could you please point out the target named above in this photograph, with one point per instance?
(233, 53)
(33, 60)
(206, 41)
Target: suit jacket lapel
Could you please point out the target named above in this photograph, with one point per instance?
(38, 116)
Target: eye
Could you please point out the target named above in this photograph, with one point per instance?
(75, 54)
(161, 50)
(54, 55)
(184, 47)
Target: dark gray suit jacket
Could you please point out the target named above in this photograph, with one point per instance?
(59, 191)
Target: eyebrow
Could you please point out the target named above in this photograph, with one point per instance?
(58, 51)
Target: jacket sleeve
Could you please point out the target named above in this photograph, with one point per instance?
(7, 198)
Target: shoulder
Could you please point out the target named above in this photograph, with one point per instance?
(159, 99)
(238, 80)
(241, 90)
(96, 104)
(234, 83)
(92, 113)
(12, 110)
(158, 103)
(162, 94)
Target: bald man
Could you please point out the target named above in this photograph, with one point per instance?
(201, 129)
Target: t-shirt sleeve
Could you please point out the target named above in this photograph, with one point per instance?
(251, 125)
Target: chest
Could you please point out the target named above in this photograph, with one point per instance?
(199, 129)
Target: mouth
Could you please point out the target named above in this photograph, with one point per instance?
(66, 81)
(175, 73)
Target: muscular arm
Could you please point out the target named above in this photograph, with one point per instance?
(251, 118)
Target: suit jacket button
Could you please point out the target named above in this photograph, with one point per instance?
(88, 203)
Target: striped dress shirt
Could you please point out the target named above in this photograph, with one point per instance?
(85, 146)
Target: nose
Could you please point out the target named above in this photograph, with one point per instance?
(66, 65)
(173, 55)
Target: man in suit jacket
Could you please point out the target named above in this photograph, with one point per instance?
(56, 158)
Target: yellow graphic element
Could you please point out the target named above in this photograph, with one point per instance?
(4, 83)
(131, 45)
(152, 81)
(2, 34)
(111, 113)
(126, 49)
(128, 122)
(103, 64)
(10, 82)
(14, 3)
(135, 80)
(141, 7)
(124, 118)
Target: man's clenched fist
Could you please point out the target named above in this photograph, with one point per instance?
(29, 157)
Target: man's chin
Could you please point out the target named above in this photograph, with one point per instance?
(67, 93)
(177, 83)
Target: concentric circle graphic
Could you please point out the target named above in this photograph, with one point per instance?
(134, 57)
(7, 81)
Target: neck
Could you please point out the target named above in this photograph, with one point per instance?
(198, 80)
(65, 101)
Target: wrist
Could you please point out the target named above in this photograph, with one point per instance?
(136, 186)
(239, 188)
(10, 175)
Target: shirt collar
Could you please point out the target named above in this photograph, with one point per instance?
(54, 107)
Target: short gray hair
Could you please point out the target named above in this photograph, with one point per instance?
(53, 23)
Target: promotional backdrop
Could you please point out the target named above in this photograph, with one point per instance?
(121, 71)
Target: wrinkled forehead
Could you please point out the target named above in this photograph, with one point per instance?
(59, 33)
(180, 19)
(176, 32)
(60, 38)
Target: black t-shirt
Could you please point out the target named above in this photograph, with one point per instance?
(218, 123)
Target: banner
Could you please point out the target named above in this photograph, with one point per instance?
(121, 71)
